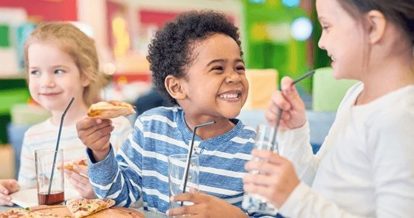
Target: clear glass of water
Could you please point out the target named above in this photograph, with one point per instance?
(252, 202)
(176, 172)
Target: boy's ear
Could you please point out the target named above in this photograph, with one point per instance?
(377, 24)
(174, 87)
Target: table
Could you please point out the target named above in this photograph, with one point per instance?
(147, 214)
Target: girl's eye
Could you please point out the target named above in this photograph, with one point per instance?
(325, 28)
(59, 71)
(34, 73)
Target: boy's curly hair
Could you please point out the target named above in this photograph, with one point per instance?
(170, 51)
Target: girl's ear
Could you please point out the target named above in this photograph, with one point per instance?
(377, 24)
(85, 81)
(174, 87)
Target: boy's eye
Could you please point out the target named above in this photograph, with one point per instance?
(241, 69)
(218, 69)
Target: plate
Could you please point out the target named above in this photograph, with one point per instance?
(28, 197)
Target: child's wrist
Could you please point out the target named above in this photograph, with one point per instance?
(101, 153)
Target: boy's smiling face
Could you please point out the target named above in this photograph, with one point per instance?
(215, 85)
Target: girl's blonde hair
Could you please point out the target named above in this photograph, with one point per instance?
(79, 46)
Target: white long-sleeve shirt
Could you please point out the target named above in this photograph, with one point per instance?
(365, 167)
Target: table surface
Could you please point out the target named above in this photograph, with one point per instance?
(147, 214)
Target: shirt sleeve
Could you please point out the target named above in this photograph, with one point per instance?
(304, 202)
(119, 177)
(294, 145)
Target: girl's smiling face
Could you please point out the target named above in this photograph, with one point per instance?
(54, 77)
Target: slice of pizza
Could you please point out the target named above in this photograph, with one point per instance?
(70, 165)
(85, 207)
(110, 109)
(15, 213)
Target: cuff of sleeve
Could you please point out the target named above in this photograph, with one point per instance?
(292, 204)
(104, 171)
(287, 139)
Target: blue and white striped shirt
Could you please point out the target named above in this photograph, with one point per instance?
(140, 169)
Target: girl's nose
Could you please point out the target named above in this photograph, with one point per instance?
(48, 81)
(321, 43)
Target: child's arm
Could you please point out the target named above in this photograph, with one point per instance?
(205, 206)
(120, 178)
(7, 186)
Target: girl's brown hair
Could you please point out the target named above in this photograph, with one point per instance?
(400, 12)
(79, 46)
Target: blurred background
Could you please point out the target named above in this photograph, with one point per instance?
(279, 38)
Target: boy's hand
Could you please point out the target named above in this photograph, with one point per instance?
(276, 178)
(95, 134)
(292, 106)
(80, 181)
(7, 187)
(204, 206)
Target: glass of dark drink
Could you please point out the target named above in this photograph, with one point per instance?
(49, 176)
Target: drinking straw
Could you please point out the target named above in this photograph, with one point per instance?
(190, 153)
(57, 147)
(279, 110)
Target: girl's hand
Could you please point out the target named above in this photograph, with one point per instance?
(95, 134)
(80, 181)
(204, 206)
(7, 187)
(276, 178)
(291, 105)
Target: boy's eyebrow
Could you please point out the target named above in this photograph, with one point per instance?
(222, 60)
(215, 61)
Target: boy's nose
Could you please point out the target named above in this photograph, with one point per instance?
(233, 77)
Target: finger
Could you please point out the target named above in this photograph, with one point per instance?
(261, 179)
(4, 190)
(256, 189)
(96, 138)
(290, 92)
(82, 170)
(5, 200)
(287, 86)
(195, 197)
(269, 156)
(262, 167)
(86, 123)
(190, 210)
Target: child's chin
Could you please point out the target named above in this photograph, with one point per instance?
(231, 114)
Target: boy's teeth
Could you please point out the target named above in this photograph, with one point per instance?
(229, 96)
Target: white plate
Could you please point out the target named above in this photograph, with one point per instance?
(28, 197)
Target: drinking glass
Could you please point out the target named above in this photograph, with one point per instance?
(265, 135)
(49, 191)
(176, 172)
